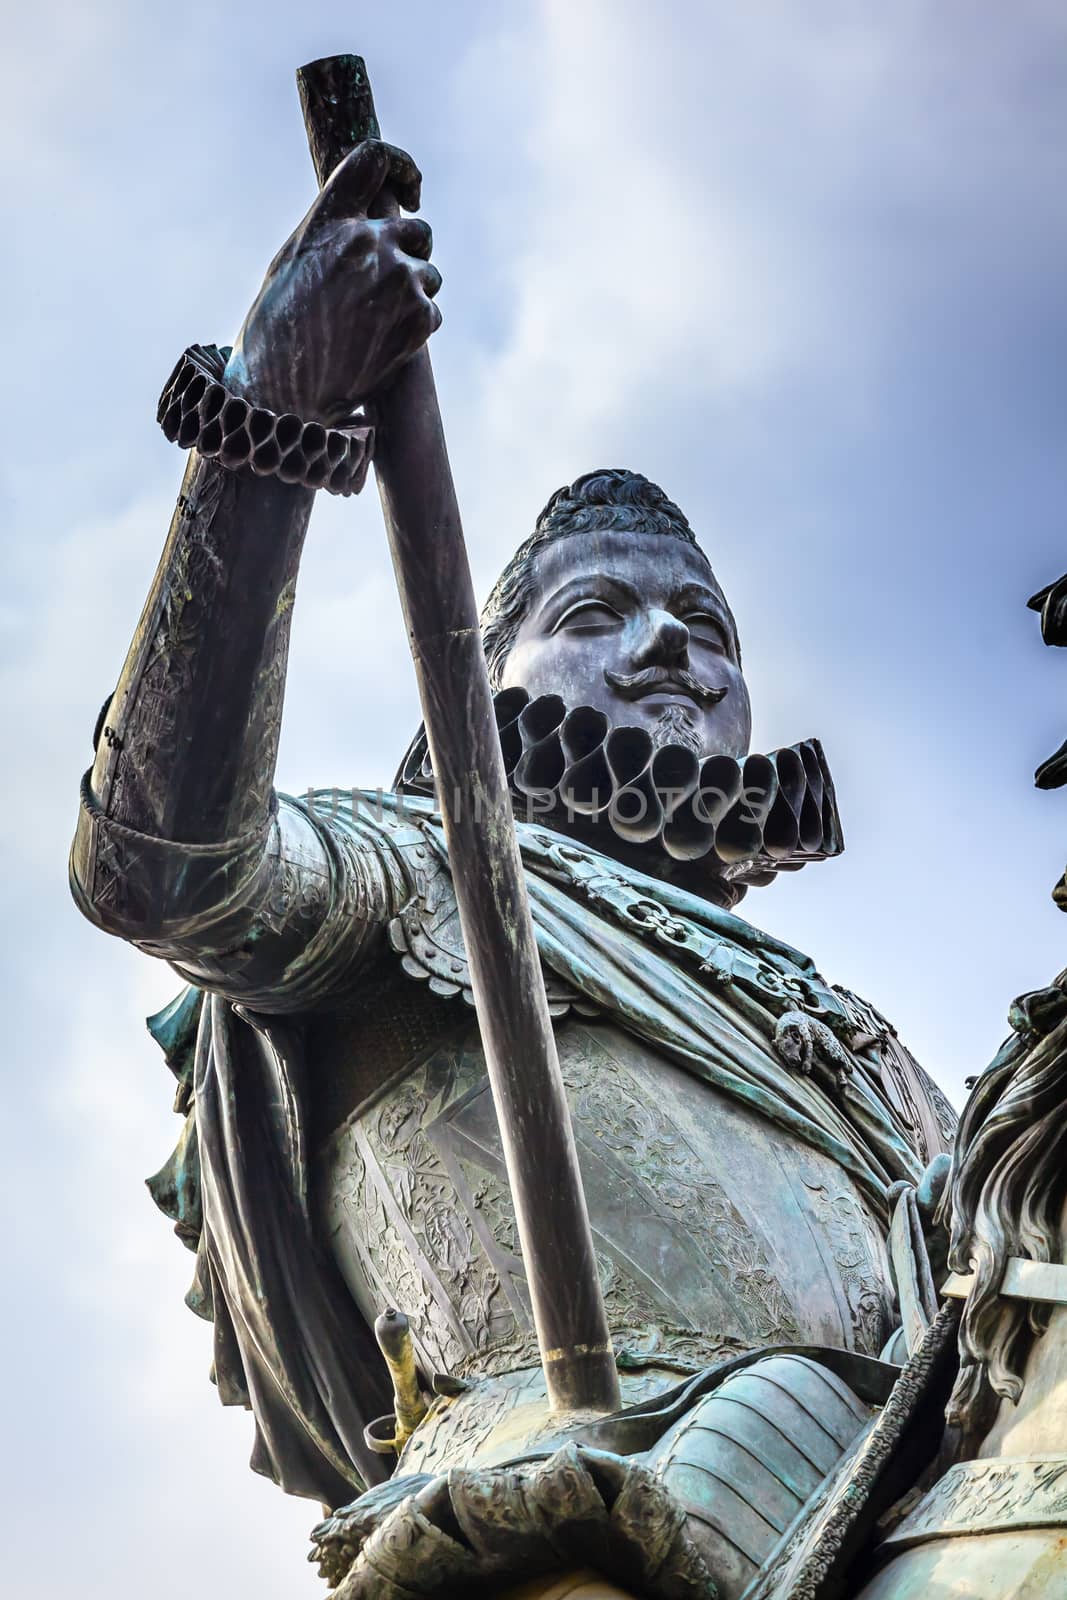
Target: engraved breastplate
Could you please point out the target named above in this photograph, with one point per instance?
(715, 1231)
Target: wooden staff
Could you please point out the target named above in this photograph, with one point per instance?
(433, 576)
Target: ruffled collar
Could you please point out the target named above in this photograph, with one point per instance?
(728, 824)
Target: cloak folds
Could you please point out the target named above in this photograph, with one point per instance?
(702, 985)
(289, 1342)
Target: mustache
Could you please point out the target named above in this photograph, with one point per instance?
(634, 685)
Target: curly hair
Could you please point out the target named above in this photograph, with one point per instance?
(1007, 1189)
(611, 497)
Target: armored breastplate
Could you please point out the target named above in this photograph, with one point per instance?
(715, 1231)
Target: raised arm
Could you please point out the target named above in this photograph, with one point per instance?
(179, 846)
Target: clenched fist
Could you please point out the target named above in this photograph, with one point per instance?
(347, 300)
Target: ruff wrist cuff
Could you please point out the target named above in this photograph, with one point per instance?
(196, 410)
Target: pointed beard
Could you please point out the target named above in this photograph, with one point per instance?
(676, 725)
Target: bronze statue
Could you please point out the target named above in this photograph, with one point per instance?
(643, 1294)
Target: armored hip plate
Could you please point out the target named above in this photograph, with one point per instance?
(716, 1231)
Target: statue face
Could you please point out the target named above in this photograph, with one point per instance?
(635, 625)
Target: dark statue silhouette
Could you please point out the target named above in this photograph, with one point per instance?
(558, 1226)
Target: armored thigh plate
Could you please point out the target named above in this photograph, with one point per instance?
(716, 1231)
(748, 1457)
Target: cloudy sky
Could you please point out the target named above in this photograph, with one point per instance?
(803, 265)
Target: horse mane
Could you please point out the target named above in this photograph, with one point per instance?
(1006, 1194)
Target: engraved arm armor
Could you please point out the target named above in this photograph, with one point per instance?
(182, 847)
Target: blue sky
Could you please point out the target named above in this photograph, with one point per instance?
(802, 265)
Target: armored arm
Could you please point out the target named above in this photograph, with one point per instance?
(182, 846)
(175, 830)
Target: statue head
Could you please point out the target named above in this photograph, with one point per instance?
(611, 603)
